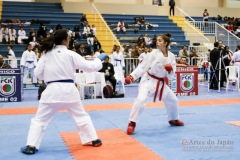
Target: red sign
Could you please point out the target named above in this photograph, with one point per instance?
(185, 81)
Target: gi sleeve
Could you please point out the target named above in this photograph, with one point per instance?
(88, 66)
(39, 70)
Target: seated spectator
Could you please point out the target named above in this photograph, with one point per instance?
(83, 21)
(143, 54)
(108, 71)
(193, 54)
(90, 38)
(238, 31)
(76, 33)
(127, 51)
(4, 35)
(42, 31)
(94, 29)
(154, 40)
(2, 64)
(121, 27)
(96, 45)
(136, 20)
(182, 62)
(52, 30)
(86, 31)
(183, 52)
(230, 28)
(147, 39)
(59, 26)
(12, 35)
(82, 51)
(21, 35)
(219, 17)
(32, 38)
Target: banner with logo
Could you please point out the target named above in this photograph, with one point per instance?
(10, 85)
(185, 81)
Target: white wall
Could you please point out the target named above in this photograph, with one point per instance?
(20, 0)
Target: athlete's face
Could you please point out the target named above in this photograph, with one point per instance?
(161, 44)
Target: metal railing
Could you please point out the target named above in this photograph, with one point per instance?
(192, 34)
(105, 24)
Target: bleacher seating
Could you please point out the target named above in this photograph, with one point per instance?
(161, 25)
(28, 11)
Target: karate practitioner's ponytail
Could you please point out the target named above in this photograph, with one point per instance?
(166, 37)
(56, 39)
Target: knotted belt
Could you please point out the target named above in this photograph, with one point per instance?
(157, 86)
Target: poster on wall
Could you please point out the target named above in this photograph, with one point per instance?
(157, 2)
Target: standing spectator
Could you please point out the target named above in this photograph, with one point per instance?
(121, 27)
(11, 57)
(12, 35)
(205, 17)
(118, 60)
(57, 68)
(2, 64)
(28, 63)
(83, 20)
(172, 5)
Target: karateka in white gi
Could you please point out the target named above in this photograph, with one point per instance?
(11, 57)
(28, 63)
(56, 68)
(236, 60)
(117, 60)
(154, 69)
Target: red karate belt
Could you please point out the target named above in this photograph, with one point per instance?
(157, 86)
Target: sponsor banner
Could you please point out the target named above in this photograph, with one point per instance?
(10, 85)
(185, 81)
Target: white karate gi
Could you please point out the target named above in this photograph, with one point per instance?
(236, 59)
(4, 34)
(117, 60)
(21, 35)
(60, 64)
(154, 64)
(12, 34)
(12, 59)
(29, 62)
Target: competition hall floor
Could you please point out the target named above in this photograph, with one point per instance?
(211, 131)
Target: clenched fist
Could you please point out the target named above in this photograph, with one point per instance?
(168, 67)
(128, 79)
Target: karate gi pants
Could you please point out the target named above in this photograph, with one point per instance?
(45, 114)
(169, 99)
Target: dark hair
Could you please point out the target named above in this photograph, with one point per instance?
(10, 46)
(215, 44)
(166, 38)
(57, 38)
(238, 46)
